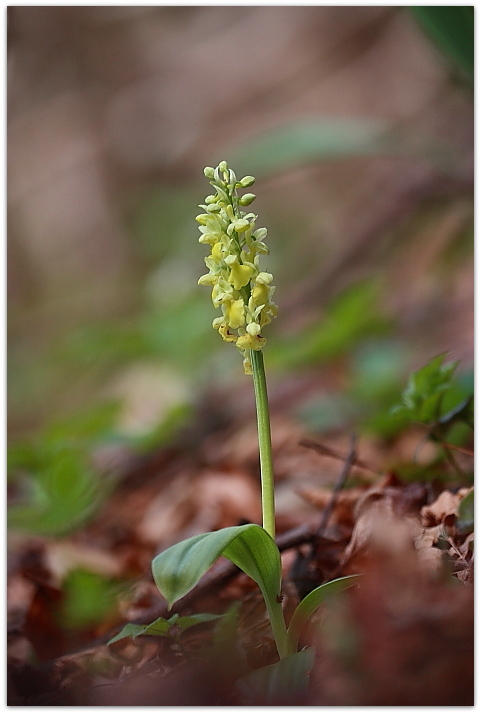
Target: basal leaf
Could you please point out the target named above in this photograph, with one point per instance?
(162, 627)
(158, 627)
(179, 568)
(310, 604)
(184, 623)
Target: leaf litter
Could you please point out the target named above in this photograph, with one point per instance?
(403, 636)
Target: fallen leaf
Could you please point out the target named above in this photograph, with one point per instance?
(443, 507)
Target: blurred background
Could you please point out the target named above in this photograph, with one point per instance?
(359, 130)
(130, 423)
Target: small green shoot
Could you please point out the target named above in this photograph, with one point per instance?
(433, 399)
(162, 627)
(422, 400)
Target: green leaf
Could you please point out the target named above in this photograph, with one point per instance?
(426, 391)
(307, 141)
(463, 411)
(179, 568)
(279, 682)
(466, 513)
(158, 627)
(310, 604)
(87, 598)
(451, 28)
(352, 316)
(162, 627)
(184, 623)
(62, 496)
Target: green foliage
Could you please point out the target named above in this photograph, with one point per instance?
(59, 497)
(429, 395)
(88, 598)
(179, 568)
(466, 513)
(170, 330)
(353, 315)
(451, 28)
(162, 627)
(311, 602)
(59, 488)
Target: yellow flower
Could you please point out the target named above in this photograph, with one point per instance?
(235, 313)
(260, 294)
(225, 334)
(250, 342)
(240, 275)
(217, 252)
(239, 287)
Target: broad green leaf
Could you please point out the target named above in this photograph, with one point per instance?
(279, 682)
(466, 513)
(310, 604)
(179, 568)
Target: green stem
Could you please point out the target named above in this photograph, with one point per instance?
(265, 447)
(279, 629)
(274, 607)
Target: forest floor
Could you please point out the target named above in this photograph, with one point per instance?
(405, 636)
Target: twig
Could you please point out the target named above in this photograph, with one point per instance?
(331, 453)
(341, 482)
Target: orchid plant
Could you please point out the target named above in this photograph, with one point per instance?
(243, 292)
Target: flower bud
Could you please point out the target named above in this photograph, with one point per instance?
(253, 329)
(247, 199)
(264, 279)
(209, 172)
(260, 233)
(247, 181)
(202, 218)
(207, 279)
(223, 166)
(213, 208)
(241, 225)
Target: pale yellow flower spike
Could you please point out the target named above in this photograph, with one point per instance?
(238, 287)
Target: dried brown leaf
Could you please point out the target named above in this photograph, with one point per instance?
(443, 508)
